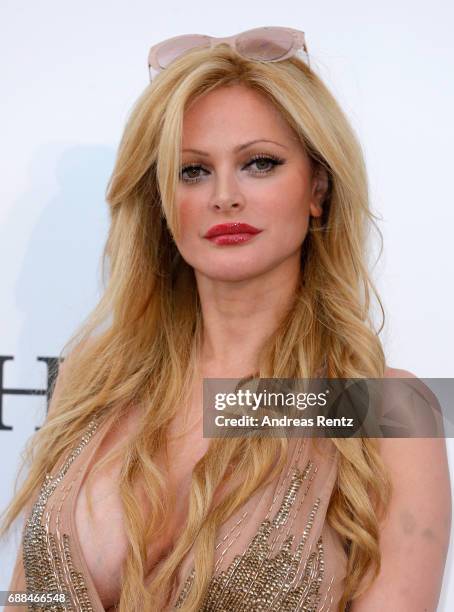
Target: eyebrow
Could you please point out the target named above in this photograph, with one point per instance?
(237, 149)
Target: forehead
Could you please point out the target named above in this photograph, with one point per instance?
(234, 113)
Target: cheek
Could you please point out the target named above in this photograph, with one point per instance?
(293, 218)
(184, 209)
(190, 218)
(296, 231)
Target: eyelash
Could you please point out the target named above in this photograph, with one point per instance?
(276, 161)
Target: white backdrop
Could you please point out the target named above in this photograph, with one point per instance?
(70, 73)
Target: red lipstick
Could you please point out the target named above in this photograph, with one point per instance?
(231, 233)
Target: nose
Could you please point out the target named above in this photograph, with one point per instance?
(227, 196)
(227, 204)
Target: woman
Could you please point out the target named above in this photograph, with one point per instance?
(237, 246)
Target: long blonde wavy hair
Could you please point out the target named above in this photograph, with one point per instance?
(139, 345)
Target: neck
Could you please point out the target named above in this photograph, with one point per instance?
(238, 317)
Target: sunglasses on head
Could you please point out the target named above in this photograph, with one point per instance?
(266, 44)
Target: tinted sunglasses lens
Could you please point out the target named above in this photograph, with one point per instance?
(173, 49)
(265, 44)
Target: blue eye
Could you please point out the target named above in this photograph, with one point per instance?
(268, 159)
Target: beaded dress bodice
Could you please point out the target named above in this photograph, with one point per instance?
(277, 553)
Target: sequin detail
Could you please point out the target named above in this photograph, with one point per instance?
(47, 558)
(256, 581)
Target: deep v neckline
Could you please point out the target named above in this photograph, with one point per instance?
(290, 497)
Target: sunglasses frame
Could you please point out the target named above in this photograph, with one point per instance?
(206, 41)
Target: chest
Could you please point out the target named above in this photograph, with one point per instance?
(102, 534)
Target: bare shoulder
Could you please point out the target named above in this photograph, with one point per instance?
(414, 535)
(413, 460)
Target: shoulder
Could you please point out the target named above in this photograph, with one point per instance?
(414, 535)
(417, 458)
(398, 373)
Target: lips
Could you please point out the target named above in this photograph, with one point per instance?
(231, 228)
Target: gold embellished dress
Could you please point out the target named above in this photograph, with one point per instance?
(277, 553)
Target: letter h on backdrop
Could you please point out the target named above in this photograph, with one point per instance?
(52, 371)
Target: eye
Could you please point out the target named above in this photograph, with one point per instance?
(191, 168)
(270, 160)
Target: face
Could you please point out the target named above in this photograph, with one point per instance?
(243, 164)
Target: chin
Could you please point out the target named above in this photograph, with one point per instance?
(235, 273)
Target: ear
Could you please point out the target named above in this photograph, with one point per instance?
(320, 184)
